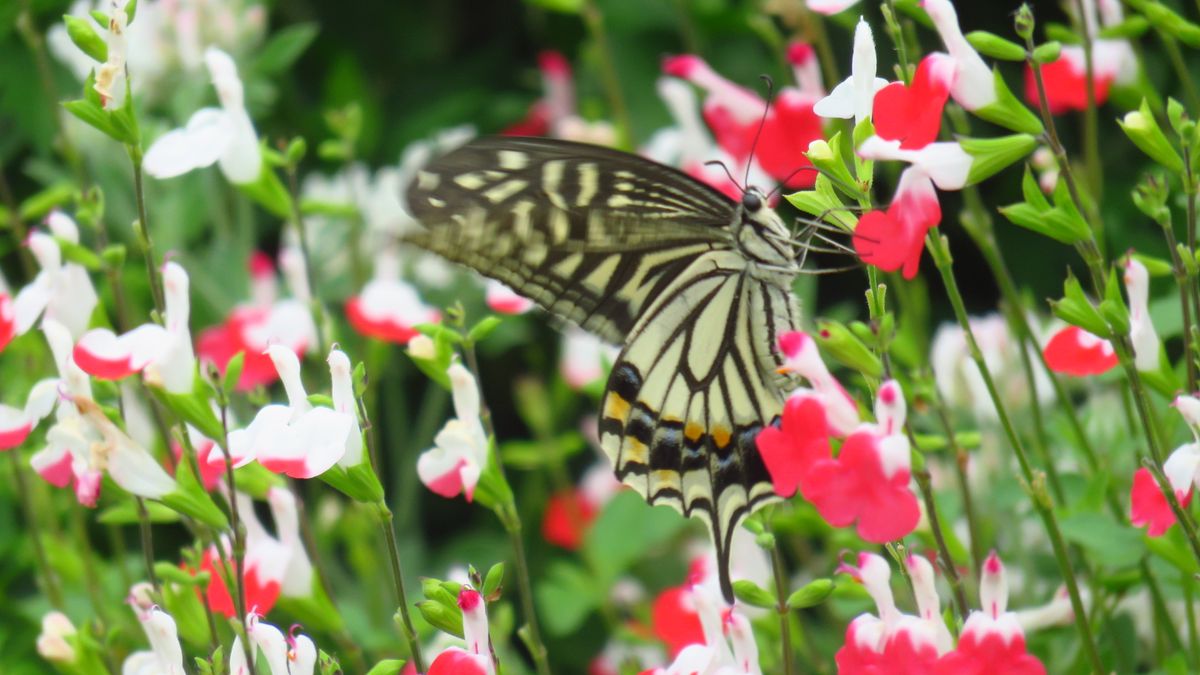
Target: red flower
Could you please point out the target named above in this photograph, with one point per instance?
(912, 114)
(1074, 351)
(988, 651)
(568, 516)
(790, 127)
(894, 240)
(790, 450)
(458, 661)
(261, 593)
(8, 320)
(867, 484)
(1066, 83)
(676, 621)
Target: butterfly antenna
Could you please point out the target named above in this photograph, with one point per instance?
(717, 162)
(790, 176)
(761, 122)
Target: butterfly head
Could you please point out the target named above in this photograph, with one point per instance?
(761, 234)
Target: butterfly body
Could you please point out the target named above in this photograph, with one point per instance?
(694, 285)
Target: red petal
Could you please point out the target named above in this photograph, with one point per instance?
(853, 488)
(380, 329)
(788, 130)
(913, 114)
(1065, 353)
(103, 367)
(1148, 505)
(458, 661)
(15, 436)
(790, 451)
(535, 123)
(989, 654)
(7, 321)
(567, 518)
(450, 483)
(1066, 88)
(674, 622)
(59, 474)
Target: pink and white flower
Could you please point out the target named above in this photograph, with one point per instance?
(992, 640)
(723, 643)
(974, 86)
(583, 358)
(505, 300)
(830, 7)
(554, 114)
(297, 438)
(110, 76)
(222, 135)
(1113, 63)
(265, 321)
(888, 641)
(1145, 341)
(166, 655)
(388, 308)
(460, 452)
(284, 654)
(855, 96)
(570, 513)
(801, 357)
(895, 239)
(163, 353)
(959, 381)
(61, 290)
(54, 642)
(476, 658)
(912, 113)
(1148, 505)
(1074, 351)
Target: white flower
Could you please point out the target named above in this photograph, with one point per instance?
(165, 656)
(974, 86)
(61, 290)
(298, 659)
(945, 162)
(110, 77)
(1141, 328)
(212, 135)
(460, 451)
(855, 96)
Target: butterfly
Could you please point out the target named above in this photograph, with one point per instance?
(694, 285)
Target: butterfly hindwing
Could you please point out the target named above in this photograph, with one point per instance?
(694, 384)
(588, 233)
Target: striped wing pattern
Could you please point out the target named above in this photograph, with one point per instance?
(693, 386)
(644, 255)
(588, 233)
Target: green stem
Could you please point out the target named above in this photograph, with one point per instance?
(147, 544)
(144, 235)
(961, 459)
(315, 306)
(608, 72)
(940, 252)
(410, 633)
(239, 532)
(947, 562)
(781, 608)
(533, 640)
(1191, 186)
(1181, 69)
(1189, 597)
(1091, 125)
(47, 574)
(1185, 293)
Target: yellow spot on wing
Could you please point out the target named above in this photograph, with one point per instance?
(693, 431)
(635, 451)
(721, 436)
(616, 407)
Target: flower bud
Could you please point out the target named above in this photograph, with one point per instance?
(54, 642)
(991, 155)
(1047, 52)
(1024, 22)
(990, 44)
(1141, 128)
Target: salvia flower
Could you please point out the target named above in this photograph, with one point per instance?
(895, 239)
(504, 300)
(974, 87)
(912, 113)
(265, 321)
(460, 452)
(476, 658)
(110, 77)
(54, 642)
(61, 290)
(583, 357)
(958, 379)
(802, 358)
(727, 644)
(388, 308)
(855, 96)
(992, 640)
(569, 513)
(1148, 505)
(888, 641)
(829, 7)
(163, 353)
(165, 656)
(297, 438)
(1141, 329)
(284, 654)
(222, 135)
(1065, 79)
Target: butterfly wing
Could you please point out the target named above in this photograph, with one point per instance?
(590, 234)
(692, 388)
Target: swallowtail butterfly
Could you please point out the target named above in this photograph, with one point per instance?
(696, 287)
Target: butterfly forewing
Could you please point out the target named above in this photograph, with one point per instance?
(588, 233)
(644, 255)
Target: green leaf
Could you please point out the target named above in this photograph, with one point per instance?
(125, 512)
(1171, 549)
(85, 37)
(42, 202)
(566, 595)
(77, 253)
(268, 191)
(752, 594)
(282, 50)
(811, 594)
(194, 410)
(492, 582)
(1107, 542)
(233, 373)
(387, 667)
(624, 532)
(93, 115)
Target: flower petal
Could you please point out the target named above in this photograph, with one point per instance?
(207, 135)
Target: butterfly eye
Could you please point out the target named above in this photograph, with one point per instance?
(751, 202)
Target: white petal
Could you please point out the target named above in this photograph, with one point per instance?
(205, 138)
(73, 299)
(30, 302)
(136, 471)
(828, 7)
(242, 160)
(839, 103)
